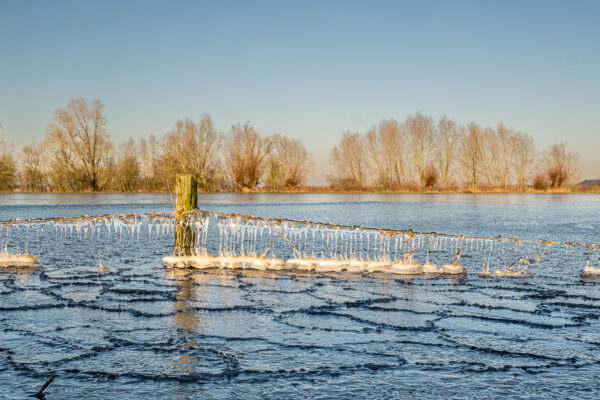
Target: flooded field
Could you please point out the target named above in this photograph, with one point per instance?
(135, 329)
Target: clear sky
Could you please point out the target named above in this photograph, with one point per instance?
(306, 69)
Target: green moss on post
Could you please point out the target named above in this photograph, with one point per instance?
(186, 190)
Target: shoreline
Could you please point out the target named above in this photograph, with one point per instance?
(317, 190)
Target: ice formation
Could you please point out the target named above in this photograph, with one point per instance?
(241, 242)
(590, 270)
(8, 259)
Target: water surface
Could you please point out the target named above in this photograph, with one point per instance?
(142, 330)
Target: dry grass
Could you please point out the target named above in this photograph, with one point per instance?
(330, 189)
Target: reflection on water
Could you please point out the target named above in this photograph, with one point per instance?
(21, 274)
(184, 319)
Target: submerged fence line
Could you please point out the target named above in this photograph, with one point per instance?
(240, 236)
(130, 220)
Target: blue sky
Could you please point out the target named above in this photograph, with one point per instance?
(306, 69)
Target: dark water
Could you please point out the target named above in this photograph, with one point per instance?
(142, 330)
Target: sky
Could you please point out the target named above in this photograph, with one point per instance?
(310, 70)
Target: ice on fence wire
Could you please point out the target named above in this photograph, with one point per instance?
(237, 241)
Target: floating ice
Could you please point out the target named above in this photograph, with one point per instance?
(17, 260)
(518, 269)
(207, 261)
(302, 264)
(8, 259)
(430, 268)
(513, 273)
(356, 266)
(590, 270)
(453, 269)
(379, 266)
(407, 266)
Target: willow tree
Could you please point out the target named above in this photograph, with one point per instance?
(190, 148)
(496, 155)
(125, 171)
(560, 165)
(246, 156)
(448, 133)
(349, 161)
(79, 145)
(289, 163)
(470, 157)
(385, 147)
(34, 168)
(522, 157)
(419, 129)
(8, 166)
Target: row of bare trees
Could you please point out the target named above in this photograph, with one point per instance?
(78, 155)
(421, 154)
(416, 154)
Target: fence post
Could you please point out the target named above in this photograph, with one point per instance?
(186, 190)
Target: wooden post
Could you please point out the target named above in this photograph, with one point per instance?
(186, 189)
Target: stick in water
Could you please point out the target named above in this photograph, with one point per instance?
(48, 382)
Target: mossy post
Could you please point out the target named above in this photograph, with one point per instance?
(186, 189)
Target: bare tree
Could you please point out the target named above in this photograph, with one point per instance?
(496, 155)
(560, 165)
(78, 142)
(448, 135)
(506, 138)
(33, 168)
(420, 143)
(125, 172)
(191, 148)
(490, 162)
(470, 146)
(386, 154)
(349, 161)
(522, 154)
(149, 155)
(289, 163)
(8, 166)
(431, 176)
(145, 160)
(246, 156)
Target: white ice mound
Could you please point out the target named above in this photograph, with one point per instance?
(356, 266)
(258, 263)
(223, 262)
(17, 260)
(200, 262)
(249, 262)
(406, 267)
(302, 264)
(232, 262)
(274, 263)
(330, 265)
(379, 266)
(590, 271)
(102, 270)
(430, 268)
(515, 270)
(513, 273)
(453, 269)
